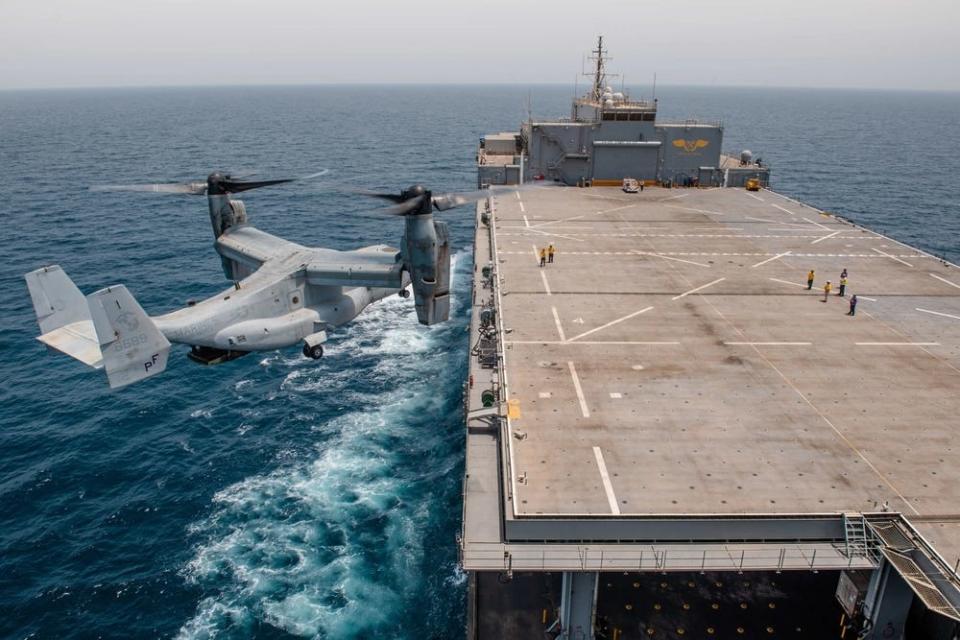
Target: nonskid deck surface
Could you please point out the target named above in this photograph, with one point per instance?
(672, 361)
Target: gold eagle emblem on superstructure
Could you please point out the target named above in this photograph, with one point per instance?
(690, 145)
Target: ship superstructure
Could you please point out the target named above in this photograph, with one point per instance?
(669, 433)
(609, 137)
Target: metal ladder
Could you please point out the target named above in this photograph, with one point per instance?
(855, 535)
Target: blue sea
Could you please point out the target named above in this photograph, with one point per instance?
(274, 496)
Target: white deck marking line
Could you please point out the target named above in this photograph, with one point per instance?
(783, 209)
(556, 319)
(817, 224)
(776, 257)
(551, 235)
(607, 486)
(897, 344)
(546, 285)
(952, 284)
(768, 344)
(536, 253)
(716, 213)
(682, 195)
(576, 385)
(653, 343)
(517, 193)
(796, 284)
(610, 324)
(522, 209)
(865, 298)
(884, 253)
(939, 313)
(596, 213)
(658, 255)
(756, 197)
(760, 219)
(700, 288)
(823, 417)
(835, 233)
(526, 223)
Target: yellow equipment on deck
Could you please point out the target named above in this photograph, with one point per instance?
(753, 184)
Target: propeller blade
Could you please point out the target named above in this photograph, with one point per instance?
(237, 186)
(446, 201)
(391, 197)
(189, 188)
(404, 207)
(226, 182)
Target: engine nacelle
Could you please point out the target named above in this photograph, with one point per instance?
(426, 256)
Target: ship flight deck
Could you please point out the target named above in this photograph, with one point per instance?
(669, 379)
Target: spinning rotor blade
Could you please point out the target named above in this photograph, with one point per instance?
(188, 188)
(215, 183)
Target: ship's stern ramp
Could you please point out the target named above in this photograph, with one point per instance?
(668, 397)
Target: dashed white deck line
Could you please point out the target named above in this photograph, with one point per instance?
(546, 285)
(796, 284)
(576, 386)
(897, 344)
(700, 288)
(682, 195)
(776, 257)
(610, 324)
(615, 395)
(517, 193)
(544, 394)
(715, 213)
(817, 224)
(526, 223)
(939, 313)
(660, 255)
(866, 298)
(736, 253)
(760, 219)
(607, 486)
(952, 284)
(782, 209)
(756, 197)
(768, 344)
(892, 257)
(827, 237)
(585, 215)
(642, 343)
(556, 319)
(536, 253)
(551, 235)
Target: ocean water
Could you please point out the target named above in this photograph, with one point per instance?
(276, 497)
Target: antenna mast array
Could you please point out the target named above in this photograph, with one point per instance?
(598, 55)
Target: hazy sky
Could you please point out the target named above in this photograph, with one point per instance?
(909, 44)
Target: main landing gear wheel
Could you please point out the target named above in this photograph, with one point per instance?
(404, 293)
(315, 352)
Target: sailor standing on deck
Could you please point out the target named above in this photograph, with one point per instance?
(550, 251)
(853, 305)
(543, 256)
(843, 285)
(826, 290)
(810, 280)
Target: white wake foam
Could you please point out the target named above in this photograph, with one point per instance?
(335, 547)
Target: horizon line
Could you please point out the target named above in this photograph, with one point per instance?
(275, 85)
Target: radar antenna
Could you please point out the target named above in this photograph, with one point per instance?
(600, 75)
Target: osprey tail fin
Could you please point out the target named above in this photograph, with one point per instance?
(133, 347)
(63, 315)
(107, 329)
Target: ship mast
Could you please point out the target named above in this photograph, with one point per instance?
(599, 76)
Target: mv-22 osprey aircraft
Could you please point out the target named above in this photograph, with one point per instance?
(283, 292)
